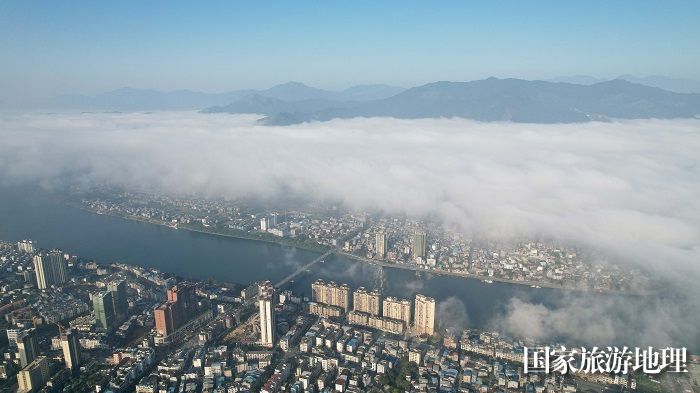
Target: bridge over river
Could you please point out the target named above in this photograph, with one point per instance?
(305, 267)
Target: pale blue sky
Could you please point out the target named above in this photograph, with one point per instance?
(50, 47)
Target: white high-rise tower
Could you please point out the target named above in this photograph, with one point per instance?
(266, 309)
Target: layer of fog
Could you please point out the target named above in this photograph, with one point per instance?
(629, 189)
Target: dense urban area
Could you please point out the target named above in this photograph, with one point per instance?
(74, 325)
(394, 241)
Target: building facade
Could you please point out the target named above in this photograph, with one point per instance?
(119, 301)
(367, 302)
(27, 347)
(331, 294)
(71, 350)
(50, 269)
(424, 315)
(33, 377)
(103, 311)
(380, 244)
(180, 306)
(419, 245)
(163, 315)
(266, 310)
(398, 309)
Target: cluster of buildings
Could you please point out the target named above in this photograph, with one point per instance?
(180, 305)
(34, 369)
(318, 228)
(427, 245)
(60, 312)
(417, 244)
(389, 314)
(333, 356)
(145, 331)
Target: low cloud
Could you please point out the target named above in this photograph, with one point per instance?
(590, 319)
(628, 188)
(452, 314)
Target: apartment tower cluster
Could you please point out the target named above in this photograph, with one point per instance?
(369, 309)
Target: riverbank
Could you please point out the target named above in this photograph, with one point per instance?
(532, 284)
(230, 233)
(237, 234)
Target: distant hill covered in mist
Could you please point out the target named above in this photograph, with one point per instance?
(130, 99)
(676, 85)
(489, 99)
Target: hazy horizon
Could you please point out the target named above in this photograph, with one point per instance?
(88, 48)
(565, 78)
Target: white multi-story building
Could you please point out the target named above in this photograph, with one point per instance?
(424, 315)
(50, 269)
(380, 245)
(331, 294)
(367, 302)
(266, 309)
(12, 335)
(399, 309)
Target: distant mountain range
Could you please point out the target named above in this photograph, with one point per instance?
(565, 100)
(129, 99)
(678, 85)
(489, 99)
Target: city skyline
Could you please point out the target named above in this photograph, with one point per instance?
(350, 197)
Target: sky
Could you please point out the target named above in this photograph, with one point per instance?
(85, 47)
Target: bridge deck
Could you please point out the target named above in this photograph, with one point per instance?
(305, 267)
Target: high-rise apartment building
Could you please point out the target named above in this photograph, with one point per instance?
(34, 376)
(264, 224)
(163, 315)
(399, 309)
(331, 293)
(184, 302)
(380, 244)
(367, 302)
(50, 269)
(266, 310)
(424, 315)
(27, 347)
(180, 306)
(71, 350)
(103, 310)
(419, 245)
(119, 301)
